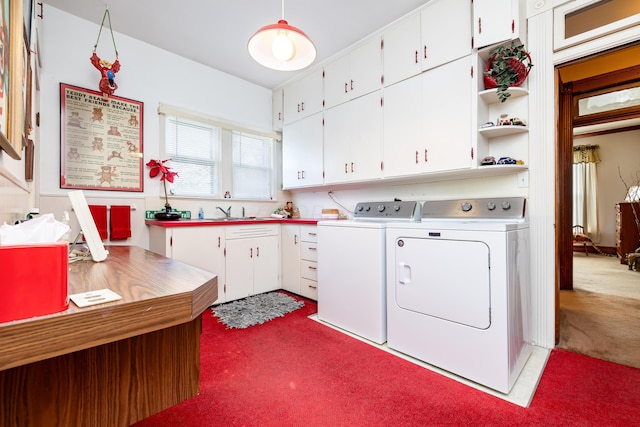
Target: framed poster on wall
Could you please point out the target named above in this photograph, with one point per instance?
(101, 141)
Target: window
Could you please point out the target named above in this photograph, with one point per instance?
(213, 157)
(252, 166)
(194, 149)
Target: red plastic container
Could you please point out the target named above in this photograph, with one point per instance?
(35, 280)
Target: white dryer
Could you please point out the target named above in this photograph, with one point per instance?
(458, 288)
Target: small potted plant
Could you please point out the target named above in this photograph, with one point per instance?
(508, 65)
(157, 167)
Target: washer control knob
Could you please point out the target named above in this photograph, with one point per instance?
(368, 208)
(506, 206)
(466, 207)
(491, 206)
(360, 208)
(396, 208)
(381, 208)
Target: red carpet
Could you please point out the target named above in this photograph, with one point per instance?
(293, 371)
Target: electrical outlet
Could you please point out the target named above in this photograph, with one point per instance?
(523, 179)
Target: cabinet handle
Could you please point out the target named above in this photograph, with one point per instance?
(346, 168)
(345, 88)
(298, 108)
(417, 154)
(250, 252)
(351, 167)
(312, 268)
(313, 249)
(313, 287)
(513, 26)
(302, 174)
(479, 25)
(425, 155)
(298, 174)
(295, 239)
(279, 116)
(258, 251)
(313, 234)
(416, 56)
(303, 106)
(425, 51)
(218, 241)
(351, 84)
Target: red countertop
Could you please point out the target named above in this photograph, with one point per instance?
(221, 221)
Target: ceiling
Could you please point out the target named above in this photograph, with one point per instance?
(215, 33)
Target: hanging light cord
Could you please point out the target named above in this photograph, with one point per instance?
(107, 14)
(283, 10)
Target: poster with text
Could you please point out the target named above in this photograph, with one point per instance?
(101, 144)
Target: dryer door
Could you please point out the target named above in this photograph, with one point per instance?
(447, 279)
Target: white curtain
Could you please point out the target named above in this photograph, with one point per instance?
(585, 197)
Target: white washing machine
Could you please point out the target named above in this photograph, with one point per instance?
(458, 288)
(352, 267)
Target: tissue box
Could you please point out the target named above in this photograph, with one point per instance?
(35, 280)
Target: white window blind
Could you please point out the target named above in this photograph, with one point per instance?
(252, 157)
(194, 148)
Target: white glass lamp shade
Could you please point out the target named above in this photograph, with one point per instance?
(282, 47)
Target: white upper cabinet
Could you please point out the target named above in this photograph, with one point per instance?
(302, 152)
(439, 34)
(354, 74)
(496, 21)
(427, 121)
(353, 140)
(277, 104)
(303, 97)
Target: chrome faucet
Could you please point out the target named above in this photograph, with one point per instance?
(226, 213)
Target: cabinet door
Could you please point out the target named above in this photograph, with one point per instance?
(353, 140)
(303, 97)
(336, 75)
(494, 21)
(266, 264)
(446, 32)
(447, 116)
(403, 144)
(302, 143)
(239, 269)
(365, 69)
(402, 50)
(290, 257)
(277, 104)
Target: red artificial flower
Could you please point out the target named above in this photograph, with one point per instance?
(157, 167)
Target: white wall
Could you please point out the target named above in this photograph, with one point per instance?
(147, 74)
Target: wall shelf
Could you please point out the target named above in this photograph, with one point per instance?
(495, 131)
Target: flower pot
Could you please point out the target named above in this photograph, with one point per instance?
(167, 216)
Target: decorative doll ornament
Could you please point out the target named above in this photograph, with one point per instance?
(108, 70)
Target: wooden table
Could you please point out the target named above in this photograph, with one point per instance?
(110, 364)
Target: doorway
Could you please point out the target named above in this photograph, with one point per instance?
(597, 72)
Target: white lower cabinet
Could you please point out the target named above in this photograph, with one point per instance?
(202, 247)
(299, 260)
(290, 257)
(252, 260)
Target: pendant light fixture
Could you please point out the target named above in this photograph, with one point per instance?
(282, 47)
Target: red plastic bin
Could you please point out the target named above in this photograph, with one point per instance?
(35, 280)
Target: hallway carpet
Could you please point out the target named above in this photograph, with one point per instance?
(293, 371)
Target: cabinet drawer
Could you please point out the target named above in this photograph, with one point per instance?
(249, 231)
(309, 233)
(309, 270)
(309, 289)
(309, 251)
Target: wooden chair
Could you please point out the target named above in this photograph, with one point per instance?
(580, 238)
